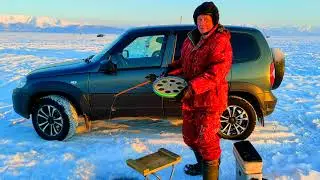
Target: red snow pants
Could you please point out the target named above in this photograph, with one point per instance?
(200, 132)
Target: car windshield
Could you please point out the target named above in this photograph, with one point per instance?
(107, 48)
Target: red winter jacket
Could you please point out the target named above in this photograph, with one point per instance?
(205, 65)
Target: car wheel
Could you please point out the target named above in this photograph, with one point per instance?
(238, 120)
(54, 118)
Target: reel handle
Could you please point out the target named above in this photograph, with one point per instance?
(151, 77)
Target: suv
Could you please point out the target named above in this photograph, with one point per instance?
(57, 96)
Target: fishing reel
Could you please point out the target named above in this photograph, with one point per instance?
(169, 86)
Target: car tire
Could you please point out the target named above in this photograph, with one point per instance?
(54, 118)
(238, 120)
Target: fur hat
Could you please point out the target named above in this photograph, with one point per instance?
(208, 8)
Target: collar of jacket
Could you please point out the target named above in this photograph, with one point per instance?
(197, 39)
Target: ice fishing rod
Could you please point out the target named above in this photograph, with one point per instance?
(163, 86)
(150, 79)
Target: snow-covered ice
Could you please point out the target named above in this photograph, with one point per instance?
(289, 144)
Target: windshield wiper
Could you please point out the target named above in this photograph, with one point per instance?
(87, 60)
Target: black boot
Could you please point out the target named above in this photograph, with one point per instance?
(194, 169)
(211, 170)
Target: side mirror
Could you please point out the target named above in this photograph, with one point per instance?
(125, 54)
(108, 67)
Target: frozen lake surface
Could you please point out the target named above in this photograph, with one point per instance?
(289, 144)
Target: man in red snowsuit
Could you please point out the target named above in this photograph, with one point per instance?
(205, 62)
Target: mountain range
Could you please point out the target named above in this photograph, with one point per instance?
(22, 23)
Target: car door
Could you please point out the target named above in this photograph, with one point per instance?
(136, 58)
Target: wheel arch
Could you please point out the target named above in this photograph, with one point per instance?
(69, 97)
(251, 99)
(251, 93)
(71, 93)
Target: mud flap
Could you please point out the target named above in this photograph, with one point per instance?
(87, 122)
(261, 121)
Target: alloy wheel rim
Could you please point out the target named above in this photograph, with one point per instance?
(234, 121)
(49, 120)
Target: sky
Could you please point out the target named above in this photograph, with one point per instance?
(123, 12)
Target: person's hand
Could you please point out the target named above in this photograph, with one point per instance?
(167, 71)
(164, 73)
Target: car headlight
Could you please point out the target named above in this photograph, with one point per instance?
(22, 82)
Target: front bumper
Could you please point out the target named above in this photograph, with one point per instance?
(20, 100)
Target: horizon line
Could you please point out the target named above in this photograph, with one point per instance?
(97, 22)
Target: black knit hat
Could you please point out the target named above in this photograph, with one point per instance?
(208, 8)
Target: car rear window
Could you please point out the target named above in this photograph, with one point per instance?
(245, 47)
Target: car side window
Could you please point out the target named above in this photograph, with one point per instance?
(145, 51)
(245, 48)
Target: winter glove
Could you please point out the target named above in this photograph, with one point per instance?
(167, 71)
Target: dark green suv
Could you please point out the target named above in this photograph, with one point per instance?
(58, 95)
